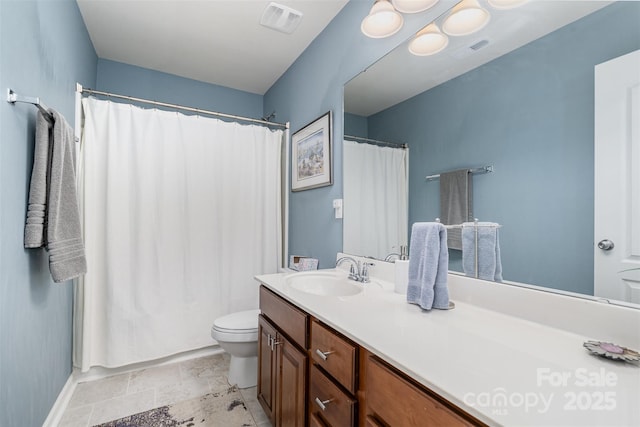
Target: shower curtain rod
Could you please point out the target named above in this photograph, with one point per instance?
(83, 91)
(13, 97)
(377, 141)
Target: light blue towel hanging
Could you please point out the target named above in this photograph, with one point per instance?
(428, 266)
(489, 262)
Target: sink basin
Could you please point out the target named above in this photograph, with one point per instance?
(335, 284)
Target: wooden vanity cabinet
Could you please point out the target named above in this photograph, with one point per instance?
(282, 361)
(310, 374)
(392, 399)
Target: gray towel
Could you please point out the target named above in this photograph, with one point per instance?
(489, 262)
(61, 233)
(35, 227)
(456, 203)
(428, 266)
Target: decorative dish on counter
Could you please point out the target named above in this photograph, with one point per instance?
(612, 351)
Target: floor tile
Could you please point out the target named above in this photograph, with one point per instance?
(123, 395)
(100, 390)
(250, 396)
(249, 393)
(182, 390)
(122, 406)
(76, 417)
(219, 381)
(205, 367)
(158, 377)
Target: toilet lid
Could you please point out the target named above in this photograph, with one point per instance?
(239, 321)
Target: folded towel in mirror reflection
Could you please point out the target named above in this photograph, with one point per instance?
(489, 262)
(428, 266)
(456, 203)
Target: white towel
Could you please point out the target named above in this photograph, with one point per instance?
(489, 262)
(428, 266)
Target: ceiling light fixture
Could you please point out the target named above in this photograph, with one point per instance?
(382, 21)
(428, 41)
(506, 4)
(465, 18)
(413, 6)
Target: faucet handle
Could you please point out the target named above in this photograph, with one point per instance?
(353, 274)
(364, 271)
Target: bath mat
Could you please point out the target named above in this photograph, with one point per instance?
(224, 409)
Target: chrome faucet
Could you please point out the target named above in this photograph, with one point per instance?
(358, 272)
(403, 255)
(392, 257)
(354, 271)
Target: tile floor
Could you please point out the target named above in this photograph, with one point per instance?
(99, 401)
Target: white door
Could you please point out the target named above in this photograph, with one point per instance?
(617, 179)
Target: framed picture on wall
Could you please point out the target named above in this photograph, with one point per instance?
(311, 165)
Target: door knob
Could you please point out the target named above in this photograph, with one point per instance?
(605, 245)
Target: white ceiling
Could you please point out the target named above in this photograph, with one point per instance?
(401, 75)
(214, 41)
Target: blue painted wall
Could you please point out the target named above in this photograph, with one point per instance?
(44, 51)
(356, 125)
(119, 78)
(312, 86)
(529, 113)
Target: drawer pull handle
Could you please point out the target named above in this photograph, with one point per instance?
(323, 354)
(322, 403)
(274, 343)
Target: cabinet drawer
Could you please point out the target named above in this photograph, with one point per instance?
(335, 354)
(290, 320)
(415, 407)
(328, 402)
(371, 422)
(315, 421)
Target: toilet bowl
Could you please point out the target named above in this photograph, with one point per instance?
(237, 334)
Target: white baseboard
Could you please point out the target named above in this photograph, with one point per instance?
(97, 373)
(60, 405)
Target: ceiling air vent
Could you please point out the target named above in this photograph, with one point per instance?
(281, 18)
(470, 49)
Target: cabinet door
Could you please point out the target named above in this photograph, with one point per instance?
(291, 401)
(267, 368)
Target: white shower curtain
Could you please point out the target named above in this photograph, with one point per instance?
(375, 199)
(180, 212)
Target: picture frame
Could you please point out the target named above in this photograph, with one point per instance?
(311, 155)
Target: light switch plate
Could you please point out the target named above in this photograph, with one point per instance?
(337, 207)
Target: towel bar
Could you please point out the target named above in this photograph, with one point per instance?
(13, 97)
(478, 171)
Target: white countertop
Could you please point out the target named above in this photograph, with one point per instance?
(500, 368)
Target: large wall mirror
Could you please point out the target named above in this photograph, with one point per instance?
(518, 96)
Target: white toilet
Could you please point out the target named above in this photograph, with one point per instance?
(237, 334)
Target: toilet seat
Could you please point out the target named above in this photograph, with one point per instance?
(241, 326)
